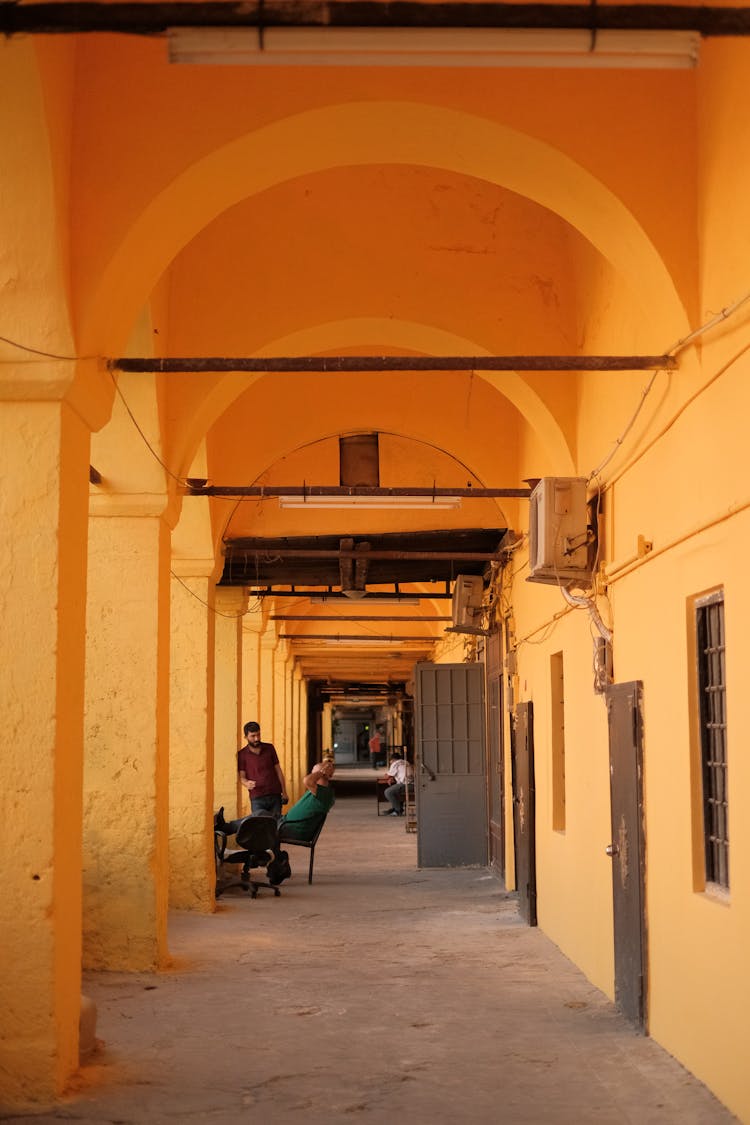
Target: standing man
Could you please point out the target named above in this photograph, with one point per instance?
(260, 773)
(375, 749)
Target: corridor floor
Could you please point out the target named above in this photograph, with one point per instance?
(380, 993)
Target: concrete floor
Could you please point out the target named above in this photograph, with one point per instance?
(380, 992)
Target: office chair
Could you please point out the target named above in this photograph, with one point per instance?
(257, 841)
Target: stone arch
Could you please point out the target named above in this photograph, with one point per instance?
(361, 133)
(380, 132)
(406, 336)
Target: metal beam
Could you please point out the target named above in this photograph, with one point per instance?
(197, 487)
(426, 641)
(356, 363)
(156, 18)
(372, 596)
(357, 617)
(245, 555)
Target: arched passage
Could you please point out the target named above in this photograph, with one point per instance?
(401, 336)
(364, 133)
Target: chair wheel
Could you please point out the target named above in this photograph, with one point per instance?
(276, 892)
(254, 892)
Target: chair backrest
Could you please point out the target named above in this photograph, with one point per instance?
(258, 834)
(318, 830)
(309, 841)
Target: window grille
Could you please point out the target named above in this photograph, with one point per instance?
(713, 735)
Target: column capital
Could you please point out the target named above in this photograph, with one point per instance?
(269, 641)
(253, 623)
(84, 384)
(150, 504)
(193, 568)
(231, 599)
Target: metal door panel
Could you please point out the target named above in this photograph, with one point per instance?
(451, 784)
(627, 847)
(524, 810)
(495, 777)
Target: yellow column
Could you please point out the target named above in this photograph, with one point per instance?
(230, 604)
(126, 769)
(191, 741)
(267, 683)
(327, 727)
(289, 741)
(303, 730)
(300, 749)
(44, 455)
(279, 707)
(252, 629)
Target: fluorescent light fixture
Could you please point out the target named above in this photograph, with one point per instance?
(367, 642)
(440, 47)
(326, 600)
(444, 503)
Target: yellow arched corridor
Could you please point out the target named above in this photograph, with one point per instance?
(337, 214)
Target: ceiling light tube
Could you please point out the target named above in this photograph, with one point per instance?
(441, 47)
(444, 503)
(324, 599)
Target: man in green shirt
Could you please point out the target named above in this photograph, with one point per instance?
(308, 813)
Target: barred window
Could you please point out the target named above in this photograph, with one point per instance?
(713, 735)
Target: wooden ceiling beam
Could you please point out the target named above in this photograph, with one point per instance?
(156, 18)
(354, 364)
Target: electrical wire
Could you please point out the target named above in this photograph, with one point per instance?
(586, 602)
(675, 350)
(327, 437)
(676, 416)
(38, 351)
(618, 441)
(217, 612)
(723, 315)
(180, 480)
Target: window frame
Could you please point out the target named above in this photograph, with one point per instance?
(711, 683)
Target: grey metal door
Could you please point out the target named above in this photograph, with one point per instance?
(524, 810)
(450, 765)
(496, 776)
(627, 849)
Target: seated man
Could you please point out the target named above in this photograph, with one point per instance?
(305, 815)
(308, 813)
(399, 772)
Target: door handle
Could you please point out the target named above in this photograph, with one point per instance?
(612, 850)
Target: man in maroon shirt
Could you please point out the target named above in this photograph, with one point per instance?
(260, 773)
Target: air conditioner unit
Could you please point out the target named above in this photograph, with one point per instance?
(466, 609)
(559, 534)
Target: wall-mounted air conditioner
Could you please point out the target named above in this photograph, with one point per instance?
(466, 610)
(559, 534)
